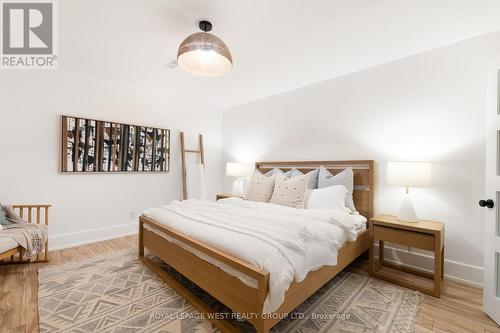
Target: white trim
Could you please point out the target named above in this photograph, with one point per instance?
(454, 270)
(63, 241)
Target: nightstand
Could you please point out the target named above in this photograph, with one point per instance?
(227, 195)
(425, 235)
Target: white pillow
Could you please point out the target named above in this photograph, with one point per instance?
(260, 187)
(290, 192)
(331, 197)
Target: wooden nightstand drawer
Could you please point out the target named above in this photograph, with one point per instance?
(409, 238)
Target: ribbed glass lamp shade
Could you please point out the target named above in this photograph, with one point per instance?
(204, 54)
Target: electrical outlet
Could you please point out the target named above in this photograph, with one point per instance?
(133, 215)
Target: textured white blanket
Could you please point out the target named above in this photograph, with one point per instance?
(286, 242)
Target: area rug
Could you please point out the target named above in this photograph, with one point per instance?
(119, 294)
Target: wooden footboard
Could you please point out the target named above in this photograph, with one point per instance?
(226, 288)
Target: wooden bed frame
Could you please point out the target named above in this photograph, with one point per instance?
(34, 214)
(228, 289)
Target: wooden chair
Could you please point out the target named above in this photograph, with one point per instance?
(31, 214)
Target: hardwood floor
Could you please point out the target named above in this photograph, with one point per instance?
(458, 310)
(19, 283)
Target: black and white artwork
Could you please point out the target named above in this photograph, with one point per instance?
(101, 146)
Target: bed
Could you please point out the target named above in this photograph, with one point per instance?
(220, 273)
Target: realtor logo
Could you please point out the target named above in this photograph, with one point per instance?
(28, 39)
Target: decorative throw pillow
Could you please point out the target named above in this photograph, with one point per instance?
(346, 178)
(331, 197)
(290, 192)
(260, 187)
(274, 171)
(293, 173)
(313, 177)
(12, 216)
(3, 217)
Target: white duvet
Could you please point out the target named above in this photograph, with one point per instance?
(286, 242)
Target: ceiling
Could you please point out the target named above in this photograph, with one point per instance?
(276, 45)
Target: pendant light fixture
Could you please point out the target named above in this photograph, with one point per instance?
(204, 54)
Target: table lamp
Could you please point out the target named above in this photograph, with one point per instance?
(408, 174)
(240, 171)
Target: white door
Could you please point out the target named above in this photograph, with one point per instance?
(491, 203)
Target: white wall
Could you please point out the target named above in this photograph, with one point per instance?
(111, 67)
(428, 107)
(88, 207)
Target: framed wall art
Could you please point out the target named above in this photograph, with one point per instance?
(90, 145)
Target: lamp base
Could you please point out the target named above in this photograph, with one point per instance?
(407, 212)
(238, 186)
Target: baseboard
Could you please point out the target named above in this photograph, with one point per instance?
(458, 271)
(63, 241)
(453, 270)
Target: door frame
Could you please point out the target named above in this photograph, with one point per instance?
(492, 191)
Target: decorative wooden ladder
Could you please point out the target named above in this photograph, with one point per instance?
(183, 158)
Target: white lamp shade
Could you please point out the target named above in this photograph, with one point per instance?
(239, 169)
(410, 174)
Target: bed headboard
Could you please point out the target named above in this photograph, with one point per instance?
(363, 177)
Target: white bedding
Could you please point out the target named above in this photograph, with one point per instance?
(286, 242)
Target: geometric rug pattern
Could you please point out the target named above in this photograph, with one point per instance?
(118, 294)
